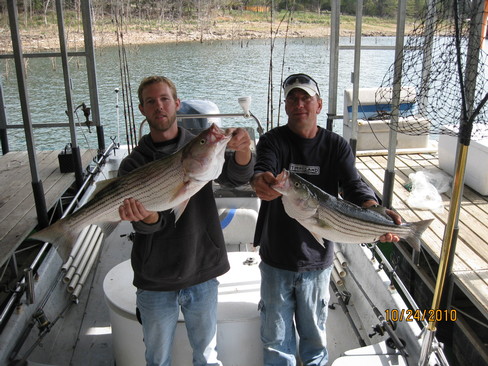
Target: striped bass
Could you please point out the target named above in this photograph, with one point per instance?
(338, 220)
(164, 184)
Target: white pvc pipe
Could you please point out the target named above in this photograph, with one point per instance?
(336, 278)
(84, 260)
(338, 267)
(79, 255)
(341, 258)
(88, 267)
(76, 247)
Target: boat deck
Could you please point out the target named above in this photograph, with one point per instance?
(18, 215)
(468, 286)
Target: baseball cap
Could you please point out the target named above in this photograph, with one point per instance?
(301, 81)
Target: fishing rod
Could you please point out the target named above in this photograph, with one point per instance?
(39, 316)
(343, 304)
(44, 326)
(399, 345)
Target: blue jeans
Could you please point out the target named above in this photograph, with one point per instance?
(290, 299)
(159, 314)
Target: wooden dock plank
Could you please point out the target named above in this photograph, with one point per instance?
(15, 174)
(18, 216)
(470, 268)
(20, 189)
(472, 227)
(474, 286)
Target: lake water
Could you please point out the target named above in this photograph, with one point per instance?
(220, 71)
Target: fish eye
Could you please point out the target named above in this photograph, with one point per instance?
(203, 141)
(297, 184)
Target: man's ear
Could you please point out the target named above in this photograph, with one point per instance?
(319, 102)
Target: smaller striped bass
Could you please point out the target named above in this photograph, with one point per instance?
(164, 184)
(338, 220)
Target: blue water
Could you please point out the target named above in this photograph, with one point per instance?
(221, 71)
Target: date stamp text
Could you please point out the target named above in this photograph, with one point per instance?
(428, 315)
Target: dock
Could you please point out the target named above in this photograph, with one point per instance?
(18, 215)
(467, 290)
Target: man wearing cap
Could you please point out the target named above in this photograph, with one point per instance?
(295, 268)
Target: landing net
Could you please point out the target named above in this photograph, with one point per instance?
(444, 73)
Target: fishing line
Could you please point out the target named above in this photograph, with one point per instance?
(280, 100)
(124, 77)
(273, 37)
(269, 108)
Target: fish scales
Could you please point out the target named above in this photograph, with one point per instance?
(337, 220)
(104, 205)
(164, 184)
(344, 223)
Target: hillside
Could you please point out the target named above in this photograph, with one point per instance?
(43, 37)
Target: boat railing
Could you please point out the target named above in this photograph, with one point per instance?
(399, 285)
(244, 102)
(26, 284)
(223, 115)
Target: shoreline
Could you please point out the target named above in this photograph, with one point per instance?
(46, 39)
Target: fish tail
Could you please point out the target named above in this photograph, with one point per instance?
(60, 235)
(417, 230)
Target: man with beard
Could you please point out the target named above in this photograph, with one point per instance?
(176, 265)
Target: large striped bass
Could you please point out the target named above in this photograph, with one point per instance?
(338, 220)
(164, 184)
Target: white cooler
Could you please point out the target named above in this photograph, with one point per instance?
(476, 166)
(238, 323)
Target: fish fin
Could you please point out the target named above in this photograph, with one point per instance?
(99, 186)
(108, 227)
(381, 210)
(60, 236)
(180, 190)
(417, 229)
(178, 210)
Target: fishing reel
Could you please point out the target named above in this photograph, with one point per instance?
(86, 112)
(380, 329)
(344, 295)
(129, 236)
(42, 321)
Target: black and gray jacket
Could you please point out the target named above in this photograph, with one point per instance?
(169, 256)
(326, 161)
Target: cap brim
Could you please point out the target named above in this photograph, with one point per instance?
(310, 91)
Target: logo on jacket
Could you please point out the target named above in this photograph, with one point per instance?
(304, 169)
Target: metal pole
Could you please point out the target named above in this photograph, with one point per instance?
(37, 188)
(92, 71)
(3, 123)
(355, 76)
(427, 56)
(395, 104)
(69, 99)
(333, 62)
(451, 230)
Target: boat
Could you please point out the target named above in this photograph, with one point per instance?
(374, 318)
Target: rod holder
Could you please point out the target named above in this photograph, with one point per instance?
(29, 285)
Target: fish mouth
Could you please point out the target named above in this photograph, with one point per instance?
(217, 134)
(282, 182)
(218, 137)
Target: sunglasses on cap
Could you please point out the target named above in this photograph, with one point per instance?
(302, 81)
